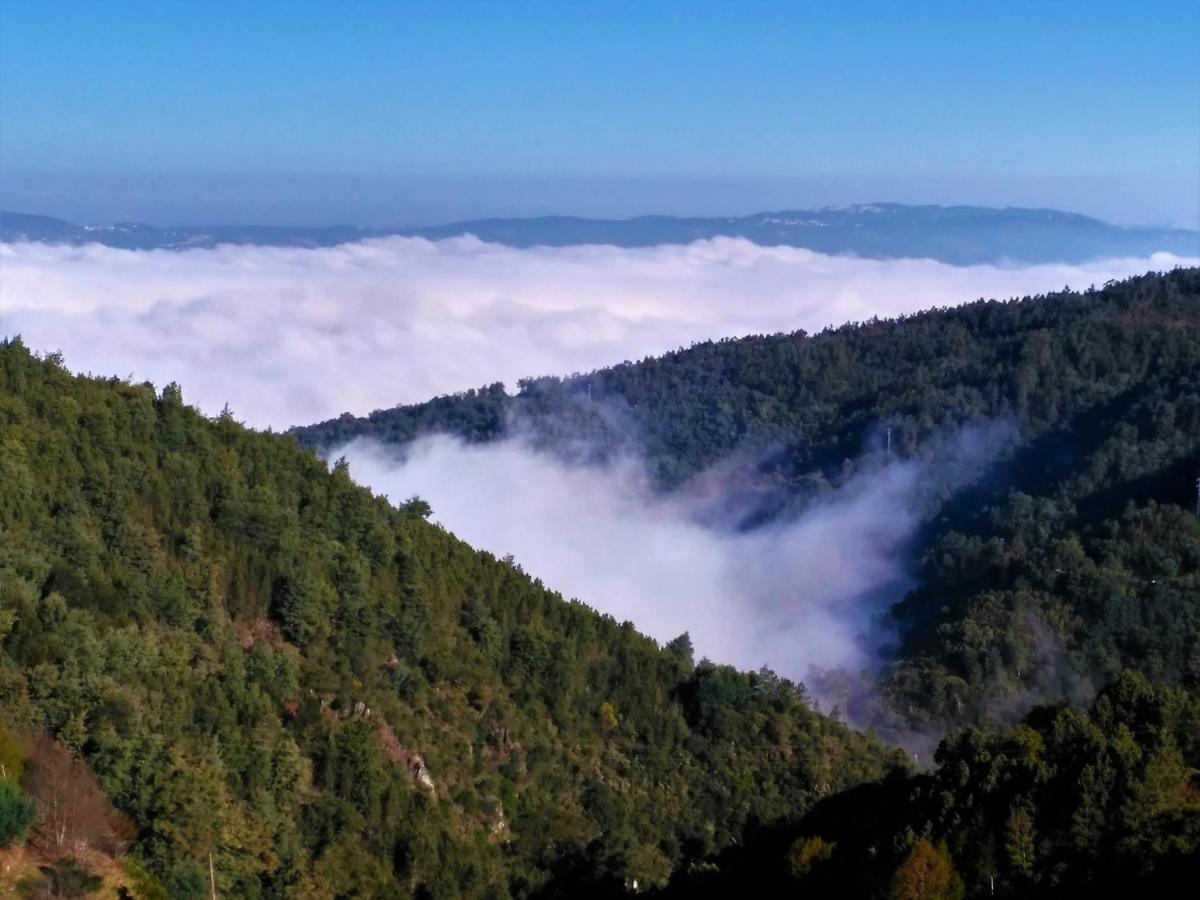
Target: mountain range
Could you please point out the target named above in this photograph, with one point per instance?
(959, 235)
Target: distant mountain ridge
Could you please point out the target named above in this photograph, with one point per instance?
(959, 235)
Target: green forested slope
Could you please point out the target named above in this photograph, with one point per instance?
(1095, 803)
(1076, 554)
(267, 667)
(327, 696)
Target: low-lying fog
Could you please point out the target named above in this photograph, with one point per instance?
(798, 593)
(291, 336)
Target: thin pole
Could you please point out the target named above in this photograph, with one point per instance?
(212, 879)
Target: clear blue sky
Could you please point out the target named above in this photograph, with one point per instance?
(370, 112)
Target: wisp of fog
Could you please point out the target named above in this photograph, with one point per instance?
(806, 592)
(290, 336)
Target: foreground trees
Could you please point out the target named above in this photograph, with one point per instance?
(926, 874)
(73, 814)
(1103, 802)
(264, 666)
(16, 812)
(270, 672)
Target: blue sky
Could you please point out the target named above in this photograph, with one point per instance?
(394, 112)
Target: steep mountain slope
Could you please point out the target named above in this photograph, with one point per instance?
(291, 688)
(960, 235)
(1075, 555)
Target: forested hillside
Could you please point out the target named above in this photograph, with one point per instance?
(237, 670)
(1078, 553)
(216, 652)
(1070, 803)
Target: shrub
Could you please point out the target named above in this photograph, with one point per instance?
(16, 813)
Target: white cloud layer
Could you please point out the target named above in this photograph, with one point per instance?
(291, 336)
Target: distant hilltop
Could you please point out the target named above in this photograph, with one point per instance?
(959, 235)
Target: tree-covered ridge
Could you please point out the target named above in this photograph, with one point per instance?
(1075, 555)
(816, 400)
(1103, 802)
(266, 667)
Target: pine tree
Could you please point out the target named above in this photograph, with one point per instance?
(1021, 843)
(927, 873)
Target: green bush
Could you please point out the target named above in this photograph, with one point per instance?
(16, 813)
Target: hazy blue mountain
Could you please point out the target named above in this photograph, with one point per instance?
(960, 235)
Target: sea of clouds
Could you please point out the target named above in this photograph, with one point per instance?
(291, 336)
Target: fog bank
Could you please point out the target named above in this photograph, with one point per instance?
(792, 595)
(290, 336)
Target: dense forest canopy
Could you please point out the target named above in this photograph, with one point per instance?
(1103, 802)
(1075, 554)
(230, 655)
